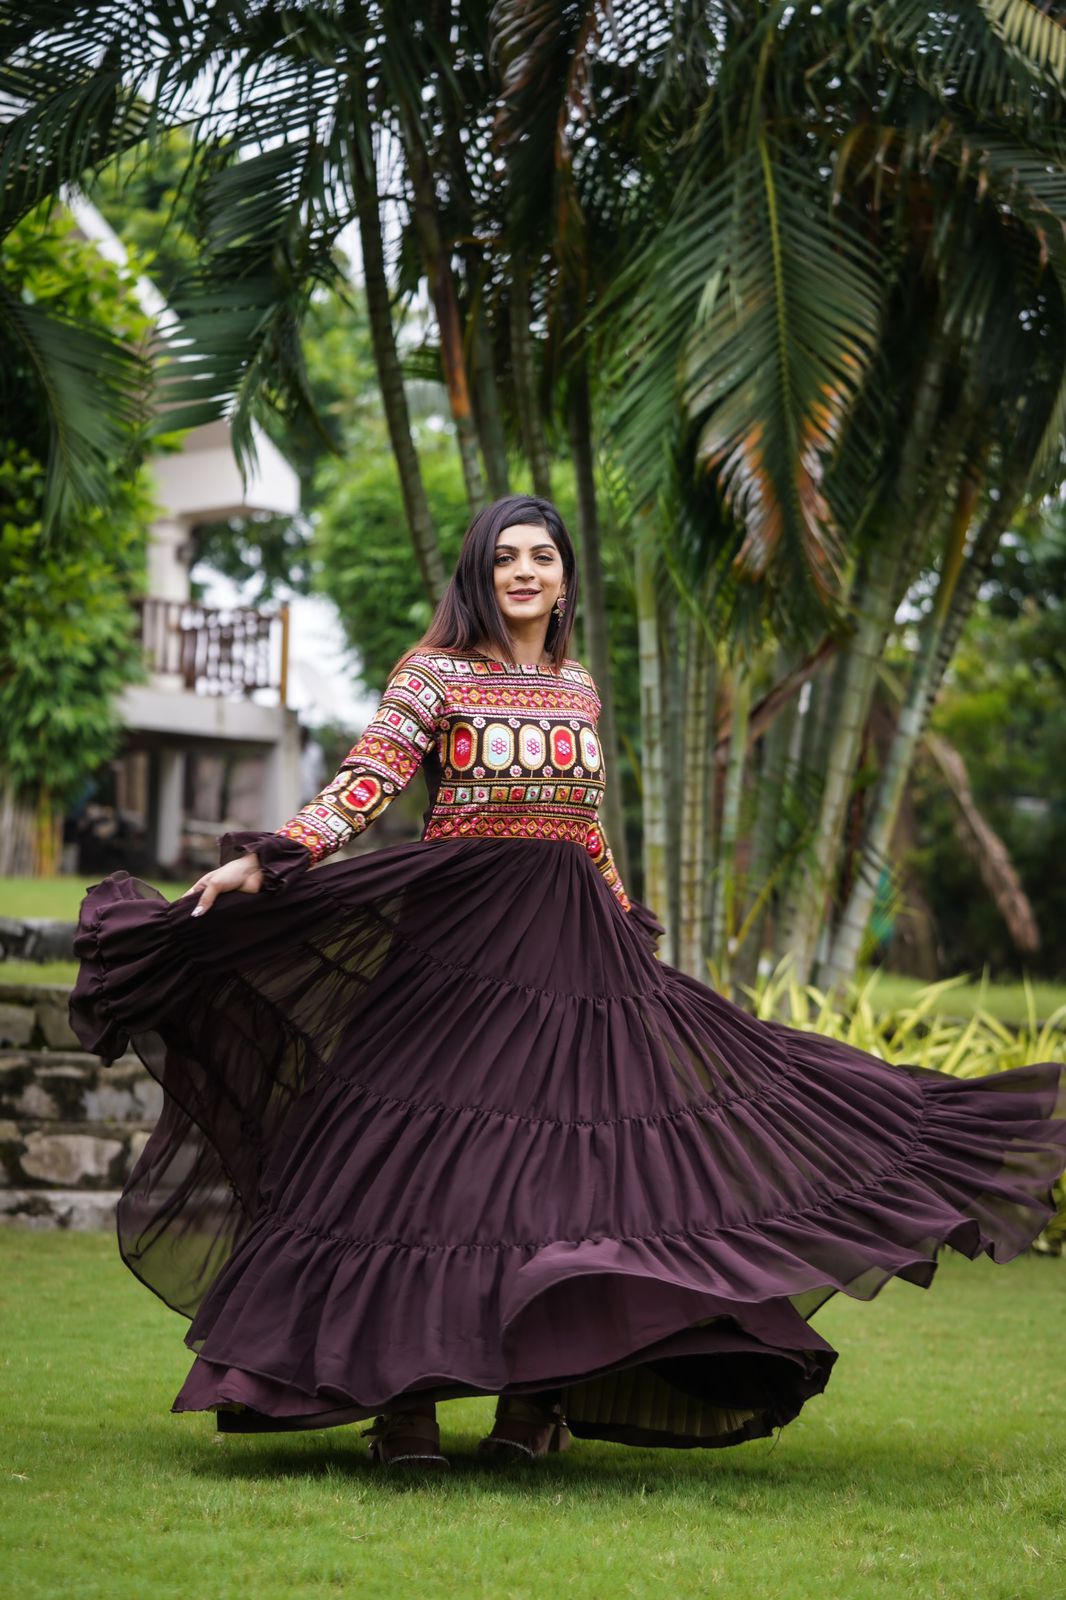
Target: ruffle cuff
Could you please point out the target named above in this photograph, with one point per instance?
(280, 857)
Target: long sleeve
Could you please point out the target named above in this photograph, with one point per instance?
(378, 767)
(600, 851)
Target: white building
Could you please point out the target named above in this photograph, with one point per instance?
(215, 702)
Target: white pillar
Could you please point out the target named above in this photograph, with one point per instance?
(168, 559)
(169, 813)
(281, 778)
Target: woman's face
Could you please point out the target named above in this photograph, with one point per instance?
(528, 573)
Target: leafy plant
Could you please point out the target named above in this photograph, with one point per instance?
(918, 1034)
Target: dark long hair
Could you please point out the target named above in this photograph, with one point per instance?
(468, 611)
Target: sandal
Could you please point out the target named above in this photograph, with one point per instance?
(401, 1438)
(526, 1429)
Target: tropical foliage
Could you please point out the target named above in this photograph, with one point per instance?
(919, 1034)
(67, 644)
(786, 284)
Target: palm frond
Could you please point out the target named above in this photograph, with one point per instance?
(1040, 38)
(269, 226)
(95, 390)
(761, 314)
(963, 55)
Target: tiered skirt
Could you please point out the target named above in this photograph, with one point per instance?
(438, 1122)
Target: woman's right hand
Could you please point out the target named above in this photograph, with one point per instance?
(244, 874)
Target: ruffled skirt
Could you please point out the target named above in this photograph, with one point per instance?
(438, 1122)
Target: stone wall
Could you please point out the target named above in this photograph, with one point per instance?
(71, 1129)
(36, 939)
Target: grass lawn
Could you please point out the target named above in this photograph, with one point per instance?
(934, 1465)
(58, 898)
(1003, 1000)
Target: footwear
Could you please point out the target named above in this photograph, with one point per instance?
(526, 1429)
(406, 1438)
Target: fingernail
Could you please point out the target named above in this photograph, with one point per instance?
(199, 911)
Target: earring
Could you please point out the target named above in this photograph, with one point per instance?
(560, 605)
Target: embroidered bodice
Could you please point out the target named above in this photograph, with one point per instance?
(510, 752)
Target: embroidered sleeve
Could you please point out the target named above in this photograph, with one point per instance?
(600, 851)
(379, 765)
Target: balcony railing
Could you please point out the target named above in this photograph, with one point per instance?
(218, 652)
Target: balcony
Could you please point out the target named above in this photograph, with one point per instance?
(204, 650)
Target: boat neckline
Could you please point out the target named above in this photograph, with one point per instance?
(519, 666)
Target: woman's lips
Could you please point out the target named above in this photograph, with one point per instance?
(522, 594)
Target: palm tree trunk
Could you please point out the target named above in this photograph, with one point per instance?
(956, 594)
(696, 775)
(525, 380)
(981, 841)
(390, 377)
(671, 665)
(489, 415)
(727, 886)
(651, 728)
(48, 835)
(436, 257)
(485, 387)
(776, 744)
(594, 605)
(808, 906)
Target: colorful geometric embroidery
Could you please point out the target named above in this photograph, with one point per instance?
(516, 725)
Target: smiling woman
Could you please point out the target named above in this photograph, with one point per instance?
(438, 1122)
(530, 587)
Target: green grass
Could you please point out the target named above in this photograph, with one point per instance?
(61, 897)
(1006, 1001)
(58, 898)
(63, 972)
(933, 1466)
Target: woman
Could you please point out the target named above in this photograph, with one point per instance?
(437, 1122)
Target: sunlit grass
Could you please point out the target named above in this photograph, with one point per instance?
(1006, 1001)
(60, 897)
(933, 1466)
(57, 898)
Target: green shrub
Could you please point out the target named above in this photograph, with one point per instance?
(915, 1034)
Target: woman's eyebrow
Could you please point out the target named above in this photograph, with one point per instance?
(512, 547)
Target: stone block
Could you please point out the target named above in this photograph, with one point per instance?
(48, 940)
(43, 1209)
(54, 1024)
(66, 1159)
(138, 1141)
(35, 1101)
(12, 1147)
(17, 1024)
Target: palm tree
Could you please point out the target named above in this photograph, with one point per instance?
(770, 248)
(852, 280)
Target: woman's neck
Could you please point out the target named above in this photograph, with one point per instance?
(528, 652)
